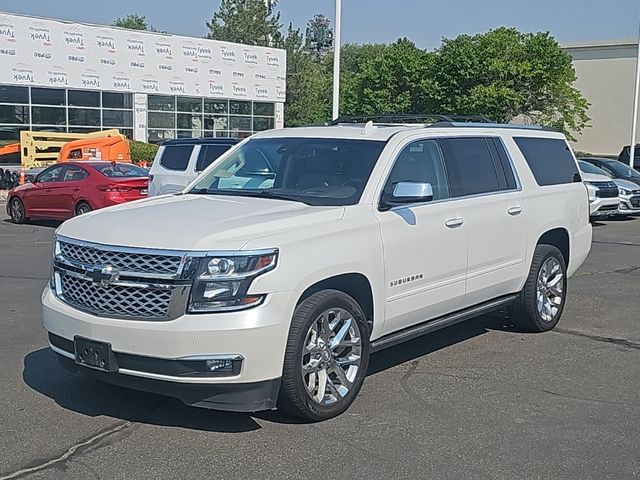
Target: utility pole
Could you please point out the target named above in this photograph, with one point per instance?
(636, 94)
(336, 60)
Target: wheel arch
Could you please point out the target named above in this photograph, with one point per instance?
(354, 284)
(559, 238)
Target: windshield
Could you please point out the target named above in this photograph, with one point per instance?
(622, 170)
(316, 171)
(586, 167)
(121, 170)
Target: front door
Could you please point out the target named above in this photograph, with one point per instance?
(43, 199)
(425, 245)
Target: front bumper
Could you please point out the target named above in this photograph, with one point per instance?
(629, 205)
(232, 397)
(604, 207)
(258, 335)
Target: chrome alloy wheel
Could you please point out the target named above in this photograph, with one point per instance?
(331, 356)
(16, 209)
(549, 292)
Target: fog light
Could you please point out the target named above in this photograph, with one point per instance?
(221, 365)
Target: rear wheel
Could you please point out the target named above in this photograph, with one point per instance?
(17, 211)
(326, 357)
(540, 303)
(82, 208)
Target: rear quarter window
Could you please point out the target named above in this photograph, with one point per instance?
(176, 157)
(550, 160)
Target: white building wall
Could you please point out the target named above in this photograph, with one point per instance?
(606, 74)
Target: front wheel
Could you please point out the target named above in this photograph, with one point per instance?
(540, 303)
(17, 211)
(326, 357)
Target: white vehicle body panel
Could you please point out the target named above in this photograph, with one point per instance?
(418, 268)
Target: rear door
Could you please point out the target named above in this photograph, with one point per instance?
(44, 200)
(74, 187)
(488, 195)
(170, 169)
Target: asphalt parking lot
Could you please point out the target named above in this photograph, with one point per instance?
(481, 400)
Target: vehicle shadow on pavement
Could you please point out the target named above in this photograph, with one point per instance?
(36, 223)
(427, 344)
(87, 396)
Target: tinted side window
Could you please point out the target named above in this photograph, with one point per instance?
(74, 174)
(507, 168)
(49, 175)
(470, 166)
(176, 157)
(209, 153)
(420, 162)
(550, 159)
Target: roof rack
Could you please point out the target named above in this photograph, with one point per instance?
(435, 120)
(410, 118)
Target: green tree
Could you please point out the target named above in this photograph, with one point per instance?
(391, 79)
(134, 22)
(307, 101)
(505, 75)
(251, 22)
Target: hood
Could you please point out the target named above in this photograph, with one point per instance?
(593, 177)
(626, 184)
(195, 222)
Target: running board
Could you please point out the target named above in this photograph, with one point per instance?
(442, 322)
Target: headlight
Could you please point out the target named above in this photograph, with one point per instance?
(222, 282)
(623, 191)
(592, 190)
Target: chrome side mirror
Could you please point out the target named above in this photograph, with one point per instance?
(412, 192)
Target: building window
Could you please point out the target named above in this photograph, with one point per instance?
(117, 118)
(163, 120)
(84, 116)
(161, 103)
(239, 107)
(10, 94)
(264, 109)
(48, 96)
(13, 114)
(117, 100)
(189, 104)
(49, 115)
(83, 98)
(216, 106)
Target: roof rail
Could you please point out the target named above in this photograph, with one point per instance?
(516, 126)
(410, 118)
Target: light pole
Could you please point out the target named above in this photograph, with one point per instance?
(636, 94)
(336, 61)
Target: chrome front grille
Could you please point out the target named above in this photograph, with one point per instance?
(122, 282)
(115, 300)
(121, 260)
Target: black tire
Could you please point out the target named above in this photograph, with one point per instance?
(525, 310)
(17, 211)
(294, 398)
(82, 208)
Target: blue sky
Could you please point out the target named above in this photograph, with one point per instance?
(423, 21)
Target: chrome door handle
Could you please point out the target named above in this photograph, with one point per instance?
(514, 211)
(454, 222)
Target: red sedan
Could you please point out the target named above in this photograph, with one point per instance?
(68, 189)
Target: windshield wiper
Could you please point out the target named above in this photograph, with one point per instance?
(252, 193)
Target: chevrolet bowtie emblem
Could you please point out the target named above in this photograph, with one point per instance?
(104, 276)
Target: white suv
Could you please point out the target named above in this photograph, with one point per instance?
(258, 289)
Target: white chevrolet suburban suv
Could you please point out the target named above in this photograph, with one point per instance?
(269, 281)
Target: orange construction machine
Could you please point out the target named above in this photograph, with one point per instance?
(41, 149)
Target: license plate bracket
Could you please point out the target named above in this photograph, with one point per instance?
(93, 354)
